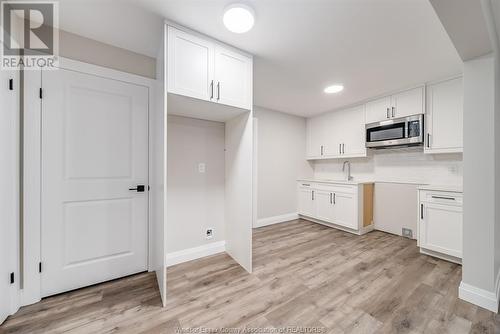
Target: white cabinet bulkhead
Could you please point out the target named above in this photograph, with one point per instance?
(345, 206)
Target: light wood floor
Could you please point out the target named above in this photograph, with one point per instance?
(304, 275)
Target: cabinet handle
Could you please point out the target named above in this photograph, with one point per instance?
(312, 195)
(421, 211)
(340, 148)
(334, 198)
(331, 200)
(388, 116)
(218, 91)
(212, 90)
(393, 111)
(321, 149)
(442, 197)
(343, 148)
(306, 184)
(428, 140)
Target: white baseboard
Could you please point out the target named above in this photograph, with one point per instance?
(194, 253)
(485, 299)
(276, 219)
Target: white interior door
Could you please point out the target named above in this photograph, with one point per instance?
(232, 77)
(94, 148)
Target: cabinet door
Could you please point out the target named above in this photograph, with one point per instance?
(378, 110)
(315, 137)
(444, 119)
(407, 103)
(353, 134)
(306, 204)
(441, 229)
(345, 210)
(190, 65)
(323, 203)
(232, 85)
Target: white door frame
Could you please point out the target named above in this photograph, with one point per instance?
(31, 292)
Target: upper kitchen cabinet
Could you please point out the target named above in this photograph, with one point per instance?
(338, 134)
(444, 118)
(232, 77)
(190, 65)
(206, 70)
(406, 103)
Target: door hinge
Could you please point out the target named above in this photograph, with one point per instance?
(39, 267)
(12, 278)
(11, 84)
(41, 93)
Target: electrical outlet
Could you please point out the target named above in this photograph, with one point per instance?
(407, 233)
(201, 167)
(209, 233)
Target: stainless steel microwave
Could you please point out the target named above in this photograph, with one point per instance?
(398, 132)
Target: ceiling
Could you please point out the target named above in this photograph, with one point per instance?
(300, 46)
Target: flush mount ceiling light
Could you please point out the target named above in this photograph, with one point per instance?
(334, 89)
(238, 18)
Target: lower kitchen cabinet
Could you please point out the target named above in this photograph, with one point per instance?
(440, 227)
(347, 206)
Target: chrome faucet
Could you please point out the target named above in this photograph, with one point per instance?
(348, 176)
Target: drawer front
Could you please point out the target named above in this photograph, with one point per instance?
(441, 197)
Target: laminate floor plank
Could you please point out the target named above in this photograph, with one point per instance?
(305, 275)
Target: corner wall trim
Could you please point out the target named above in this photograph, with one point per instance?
(194, 253)
(483, 298)
(276, 219)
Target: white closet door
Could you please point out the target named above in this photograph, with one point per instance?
(239, 213)
(9, 173)
(232, 78)
(94, 148)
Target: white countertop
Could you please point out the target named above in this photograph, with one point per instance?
(353, 182)
(442, 187)
(435, 187)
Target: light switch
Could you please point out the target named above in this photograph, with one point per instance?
(201, 167)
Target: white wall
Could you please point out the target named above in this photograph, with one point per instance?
(398, 165)
(195, 200)
(281, 160)
(479, 177)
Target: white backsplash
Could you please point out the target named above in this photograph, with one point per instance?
(397, 165)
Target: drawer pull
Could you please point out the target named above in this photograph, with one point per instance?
(306, 184)
(442, 197)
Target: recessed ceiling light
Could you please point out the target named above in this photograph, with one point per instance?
(238, 18)
(334, 89)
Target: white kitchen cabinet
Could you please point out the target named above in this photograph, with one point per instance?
(232, 78)
(440, 228)
(345, 211)
(378, 110)
(323, 204)
(206, 70)
(405, 103)
(190, 65)
(338, 134)
(444, 118)
(346, 206)
(306, 200)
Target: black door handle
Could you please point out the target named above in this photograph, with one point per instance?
(140, 188)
